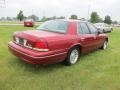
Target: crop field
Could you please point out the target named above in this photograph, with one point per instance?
(99, 70)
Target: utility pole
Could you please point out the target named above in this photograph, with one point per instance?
(89, 8)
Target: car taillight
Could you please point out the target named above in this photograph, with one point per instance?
(41, 45)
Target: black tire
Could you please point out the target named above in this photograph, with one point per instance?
(68, 60)
(105, 45)
(111, 29)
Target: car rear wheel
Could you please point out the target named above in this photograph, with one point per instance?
(73, 56)
(105, 45)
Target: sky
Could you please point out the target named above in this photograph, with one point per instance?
(48, 8)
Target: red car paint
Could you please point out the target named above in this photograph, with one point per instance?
(56, 44)
(29, 23)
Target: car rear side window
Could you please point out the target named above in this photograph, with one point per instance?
(83, 28)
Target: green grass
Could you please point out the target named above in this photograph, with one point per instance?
(99, 70)
(9, 22)
(15, 22)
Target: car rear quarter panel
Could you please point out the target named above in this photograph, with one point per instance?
(64, 42)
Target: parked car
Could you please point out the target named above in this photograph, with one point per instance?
(57, 41)
(29, 23)
(116, 25)
(103, 27)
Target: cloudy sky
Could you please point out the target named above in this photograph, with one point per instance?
(62, 8)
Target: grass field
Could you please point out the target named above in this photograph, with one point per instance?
(99, 70)
(15, 22)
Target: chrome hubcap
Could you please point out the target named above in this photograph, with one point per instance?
(74, 56)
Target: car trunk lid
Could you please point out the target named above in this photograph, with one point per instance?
(30, 37)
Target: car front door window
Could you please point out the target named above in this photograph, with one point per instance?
(92, 29)
(85, 37)
(96, 37)
(84, 29)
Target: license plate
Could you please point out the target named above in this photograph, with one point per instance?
(28, 24)
(21, 41)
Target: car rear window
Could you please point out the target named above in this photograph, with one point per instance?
(54, 26)
(28, 20)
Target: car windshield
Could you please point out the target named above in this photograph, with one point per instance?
(54, 26)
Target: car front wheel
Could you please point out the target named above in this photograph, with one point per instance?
(73, 56)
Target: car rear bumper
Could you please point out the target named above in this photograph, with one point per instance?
(34, 57)
(28, 24)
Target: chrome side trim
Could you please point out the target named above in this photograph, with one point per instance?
(36, 57)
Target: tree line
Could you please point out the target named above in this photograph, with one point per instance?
(94, 18)
(21, 17)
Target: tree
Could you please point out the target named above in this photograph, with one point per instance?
(14, 18)
(114, 22)
(95, 17)
(108, 19)
(52, 18)
(61, 17)
(73, 17)
(8, 18)
(2, 18)
(44, 19)
(34, 17)
(20, 15)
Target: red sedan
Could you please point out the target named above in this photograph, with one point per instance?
(56, 41)
(28, 23)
